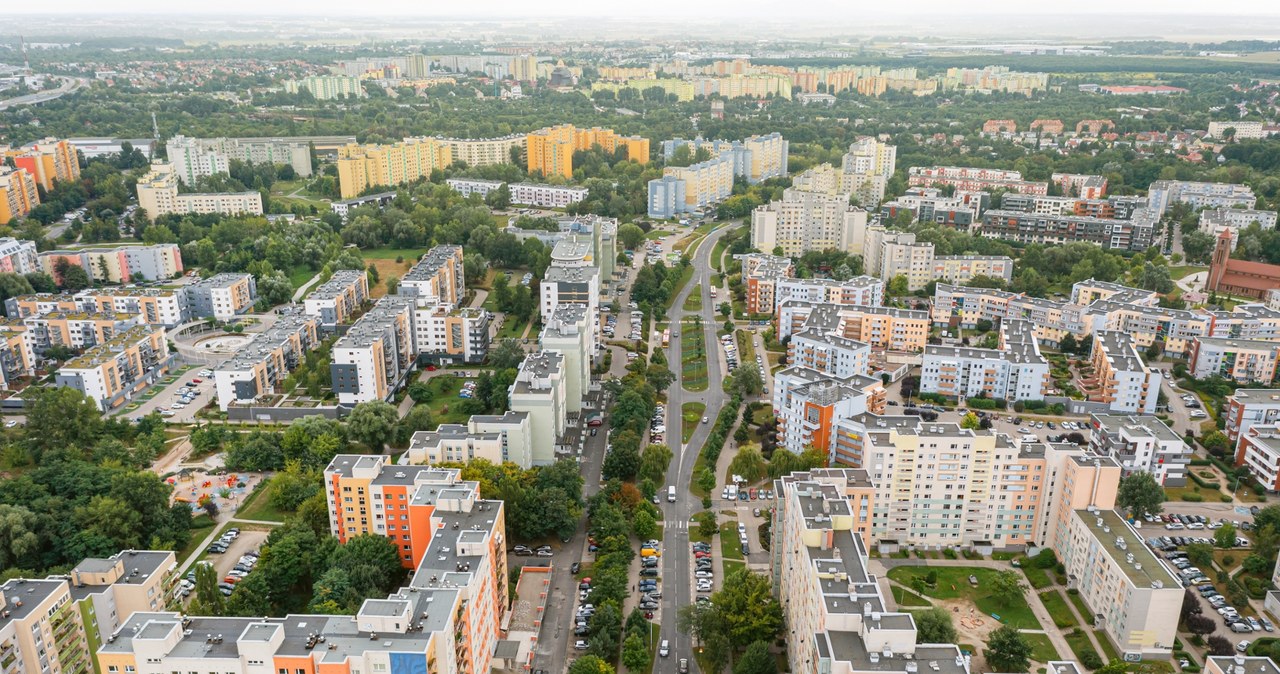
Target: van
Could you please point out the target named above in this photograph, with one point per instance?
(649, 552)
(671, 494)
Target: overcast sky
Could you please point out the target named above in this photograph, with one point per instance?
(671, 9)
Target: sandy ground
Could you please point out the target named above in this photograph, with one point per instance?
(972, 627)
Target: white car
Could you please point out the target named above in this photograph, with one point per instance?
(703, 574)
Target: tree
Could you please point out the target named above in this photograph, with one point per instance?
(1225, 536)
(1197, 246)
(590, 664)
(1200, 624)
(1155, 277)
(644, 526)
(274, 288)
(1140, 494)
(747, 609)
(1006, 587)
(1007, 650)
(13, 285)
(756, 660)
(749, 463)
(1069, 344)
(60, 417)
(74, 277)
(1215, 441)
(293, 485)
(1220, 645)
(500, 198)
(707, 525)
(373, 423)
(208, 599)
(934, 626)
(1200, 554)
(19, 541)
(746, 380)
(970, 421)
(508, 354)
(635, 654)
(898, 286)
(630, 236)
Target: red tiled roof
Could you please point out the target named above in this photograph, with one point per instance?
(1254, 268)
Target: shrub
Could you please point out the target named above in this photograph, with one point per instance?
(1090, 659)
(1195, 498)
(949, 553)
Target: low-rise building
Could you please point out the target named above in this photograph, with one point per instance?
(546, 196)
(1120, 378)
(469, 186)
(110, 373)
(1135, 233)
(1134, 597)
(344, 207)
(496, 438)
(1240, 664)
(111, 589)
(375, 356)
(335, 301)
(973, 179)
(1214, 221)
(883, 328)
(961, 269)
(1141, 443)
(17, 359)
(221, 296)
(75, 330)
(1081, 185)
(260, 366)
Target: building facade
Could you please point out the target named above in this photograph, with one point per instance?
(158, 195)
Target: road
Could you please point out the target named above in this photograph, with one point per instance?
(69, 84)
(677, 573)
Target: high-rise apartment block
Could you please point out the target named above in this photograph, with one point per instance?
(550, 150)
(48, 161)
(803, 221)
(437, 278)
(1120, 378)
(158, 195)
(361, 167)
(866, 169)
(195, 158)
(486, 151)
(327, 87)
(18, 194)
(1247, 407)
(374, 358)
(221, 296)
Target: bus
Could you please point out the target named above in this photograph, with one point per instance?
(666, 338)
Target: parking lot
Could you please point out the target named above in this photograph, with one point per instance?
(224, 562)
(164, 402)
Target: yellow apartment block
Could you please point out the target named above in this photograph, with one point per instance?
(550, 150)
(18, 194)
(363, 166)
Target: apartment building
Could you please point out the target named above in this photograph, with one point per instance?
(1141, 443)
(437, 278)
(837, 619)
(829, 353)
(570, 331)
(260, 366)
(123, 264)
(550, 150)
(803, 221)
(327, 87)
(1247, 407)
(195, 158)
(859, 290)
(111, 372)
(445, 334)
(111, 589)
(374, 358)
(49, 160)
(1164, 193)
(1240, 664)
(496, 438)
(43, 630)
(866, 168)
(361, 167)
(1214, 221)
(569, 285)
(1120, 377)
(756, 159)
(17, 256)
(761, 273)
(889, 254)
(973, 179)
(884, 328)
(1240, 360)
(927, 204)
(1259, 451)
(17, 359)
(1081, 185)
(1134, 597)
(1014, 371)
(1241, 130)
(158, 195)
(469, 186)
(810, 403)
(154, 306)
(221, 296)
(962, 269)
(540, 390)
(1135, 233)
(486, 151)
(75, 330)
(546, 196)
(18, 194)
(379, 200)
(686, 189)
(335, 301)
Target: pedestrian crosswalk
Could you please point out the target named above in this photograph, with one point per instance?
(674, 526)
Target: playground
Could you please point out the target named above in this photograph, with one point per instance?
(195, 487)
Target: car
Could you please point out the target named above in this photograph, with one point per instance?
(653, 594)
(648, 605)
(665, 649)
(684, 666)
(544, 553)
(227, 590)
(1243, 646)
(649, 573)
(703, 574)
(232, 579)
(1253, 622)
(238, 573)
(216, 549)
(581, 631)
(197, 381)
(581, 645)
(702, 546)
(1266, 625)
(575, 567)
(706, 419)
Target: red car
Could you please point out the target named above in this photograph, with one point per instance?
(197, 381)
(700, 554)
(232, 579)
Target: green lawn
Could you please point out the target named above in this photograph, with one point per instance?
(680, 282)
(300, 275)
(1079, 643)
(691, 415)
(1183, 271)
(1109, 652)
(1038, 578)
(693, 356)
(445, 403)
(763, 415)
(953, 583)
(1042, 649)
(1084, 611)
(257, 505)
(409, 254)
(906, 598)
(746, 347)
(200, 527)
(1057, 607)
(730, 548)
(693, 302)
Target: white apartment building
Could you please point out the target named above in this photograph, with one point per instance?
(804, 221)
(1259, 451)
(546, 196)
(887, 254)
(195, 158)
(863, 290)
(1214, 220)
(828, 353)
(866, 169)
(540, 391)
(337, 299)
(1141, 443)
(1015, 371)
(1134, 597)
(374, 358)
(569, 285)
(262, 364)
(18, 257)
(437, 278)
(1121, 379)
(1243, 130)
(1164, 193)
(498, 439)
(809, 403)
(446, 334)
(837, 620)
(469, 186)
(221, 296)
(1247, 407)
(570, 331)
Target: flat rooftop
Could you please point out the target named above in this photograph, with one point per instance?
(1108, 528)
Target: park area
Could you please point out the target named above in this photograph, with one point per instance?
(693, 353)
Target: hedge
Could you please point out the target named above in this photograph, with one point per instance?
(1204, 484)
(985, 403)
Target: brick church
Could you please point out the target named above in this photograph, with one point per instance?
(1239, 277)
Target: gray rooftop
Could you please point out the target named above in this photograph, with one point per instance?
(264, 343)
(1112, 528)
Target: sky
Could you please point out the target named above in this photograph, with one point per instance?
(670, 9)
